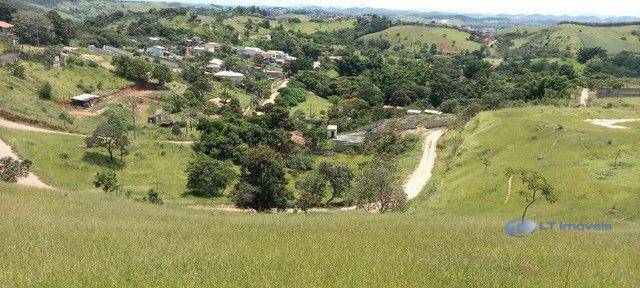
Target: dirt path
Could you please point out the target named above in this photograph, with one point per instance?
(422, 174)
(611, 123)
(275, 93)
(24, 127)
(31, 180)
(584, 97)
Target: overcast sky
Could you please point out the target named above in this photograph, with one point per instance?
(555, 7)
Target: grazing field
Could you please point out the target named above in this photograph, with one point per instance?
(571, 37)
(305, 26)
(413, 38)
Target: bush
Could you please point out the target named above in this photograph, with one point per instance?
(153, 197)
(12, 169)
(17, 69)
(207, 177)
(45, 91)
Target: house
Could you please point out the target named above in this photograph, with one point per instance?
(214, 65)
(266, 37)
(230, 75)
(250, 51)
(212, 46)
(435, 112)
(273, 75)
(412, 111)
(298, 138)
(85, 100)
(332, 131)
(6, 29)
(156, 50)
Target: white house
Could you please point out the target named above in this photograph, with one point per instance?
(250, 51)
(230, 75)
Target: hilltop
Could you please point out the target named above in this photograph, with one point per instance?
(567, 39)
(413, 38)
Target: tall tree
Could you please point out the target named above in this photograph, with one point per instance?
(111, 135)
(6, 11)
(33, 28)
(62, 28)
(262, 184)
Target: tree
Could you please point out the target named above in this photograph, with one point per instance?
(312, 188)
(536, 187)
(45, 91)
(375, 186)
(585, 53)
(339, 177)
(299, 65)
(13, 169)
(62, 28)
(107, 180)
(33, 28)
(262, 184)
(162, 73)
(111, 135)
(207, 177)
(5, 11)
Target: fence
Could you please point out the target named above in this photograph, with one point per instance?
(620, 92)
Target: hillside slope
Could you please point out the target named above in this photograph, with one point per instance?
(450, 237)
(412, 38)
(569, 38)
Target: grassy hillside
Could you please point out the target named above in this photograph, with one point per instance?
(20, 96)
(305, 25)
(413, 38)
(571, 37)
(577, 157)
(313, 106)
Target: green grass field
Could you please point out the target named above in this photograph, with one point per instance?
(313, 106)
(452, 234)
(305, 26)
(571, 37)
(412, 38)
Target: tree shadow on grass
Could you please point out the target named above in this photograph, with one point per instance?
(102, 160)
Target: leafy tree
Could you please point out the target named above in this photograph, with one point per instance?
(207, 177)
(135, 69)
(375, 186)
(339, 177)
(111, 135)
(33, 28)
(219, 139)
(13, 169)
(162, 73)
(5, 11)
(62, 28)
(299, 65)
(262, 184)
(312, 188)
(45, 91)
(536, 187)
(585, 53)
(106, 180)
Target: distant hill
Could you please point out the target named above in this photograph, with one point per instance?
(412, 38)
(567, 39)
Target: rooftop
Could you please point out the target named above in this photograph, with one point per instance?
(229, 74)
(85, 97)
(5, 25)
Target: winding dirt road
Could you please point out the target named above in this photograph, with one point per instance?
(275, 93)
(422, 174)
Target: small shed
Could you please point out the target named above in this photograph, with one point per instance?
(85, 100)
(332, 131)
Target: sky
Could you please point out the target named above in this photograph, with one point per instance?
(549, 7)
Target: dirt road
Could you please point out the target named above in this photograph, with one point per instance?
(584, 97)
(24, 127)
(31, 179)
(275, 93)
(422, 174)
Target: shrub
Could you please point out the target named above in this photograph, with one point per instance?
(13, 169)
(107, 180)
(45, 91)
(153, 197)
